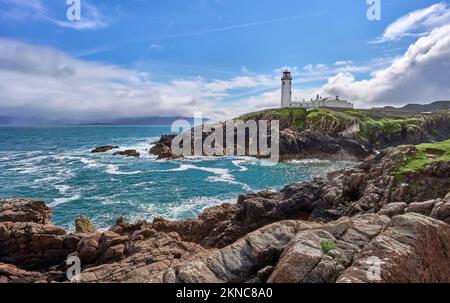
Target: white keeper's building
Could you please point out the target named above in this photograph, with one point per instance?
(286, 97)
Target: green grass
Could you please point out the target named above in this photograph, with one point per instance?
(327, 246)
(375, 128)
(425, 154)
(319, 114)
(356, 114)
(329, 121)
(291, 117)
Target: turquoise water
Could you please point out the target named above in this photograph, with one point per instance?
(54, 164)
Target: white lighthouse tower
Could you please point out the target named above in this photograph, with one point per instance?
(286, 89)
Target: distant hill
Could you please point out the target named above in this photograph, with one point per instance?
(422, 108)
(7, 120)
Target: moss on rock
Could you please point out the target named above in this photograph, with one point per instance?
(424, 155)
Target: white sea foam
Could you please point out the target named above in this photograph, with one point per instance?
(89, 162)
(47, 179)
(142, 146)
(309, 161)
(239, 163)
(64, 200)
(109, 200)
(222, 173)
(204, 158)
(115, 170)
(31, 160)
(194, 206)
(233, 182)
(27, 170)
(218, 171)
(64, 158)
(143, 184)
(63, 189)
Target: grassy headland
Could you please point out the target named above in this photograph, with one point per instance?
(378, 128)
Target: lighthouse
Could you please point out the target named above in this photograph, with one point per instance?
(286, 97)
(286, 89)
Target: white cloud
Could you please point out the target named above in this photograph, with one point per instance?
(271, 99)
(417, 23)
(44, 82)
(421, 75)
(245, 70)
(25, 10)
(322, 72)
(343, 62)
(156, 47)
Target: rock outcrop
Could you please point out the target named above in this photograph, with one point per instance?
(25, 211)
(84, 226)
(163, 148)
(27, 237)
(293, 145)
(128, 153)
(307, 260)
(104, 149)
(412, 249)
(332, 134)
(11, 274)
(141, 258)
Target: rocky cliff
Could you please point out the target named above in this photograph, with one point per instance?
(387, 220)
(340, 134)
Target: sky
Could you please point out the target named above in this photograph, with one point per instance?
(220, 57)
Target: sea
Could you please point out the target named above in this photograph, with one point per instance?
(55, 164)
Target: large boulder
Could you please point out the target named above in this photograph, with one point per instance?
(423, 208)
(27, 237)
(89, 249)
(103, 149)
(441, 210)
(144, 258)
(24, 210)
(11, 274)
(128, 153)
(412, 249)
(35, 246)
(393, 209)
(320, 255)
(84, 226)
(242, 260)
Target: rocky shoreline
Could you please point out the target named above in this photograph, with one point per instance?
(324, 230)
